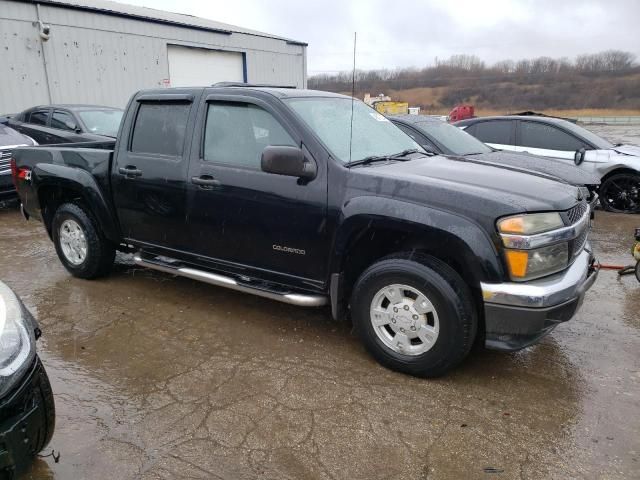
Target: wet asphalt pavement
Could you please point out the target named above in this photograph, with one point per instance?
(159, 377)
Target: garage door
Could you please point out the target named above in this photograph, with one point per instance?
(189, 67)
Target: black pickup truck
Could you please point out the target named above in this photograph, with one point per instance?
(313, 198)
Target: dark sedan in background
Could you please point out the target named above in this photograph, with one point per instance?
(50, 124)
(9, 139)
(440, 137)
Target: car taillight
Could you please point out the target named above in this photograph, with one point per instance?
(19, 173)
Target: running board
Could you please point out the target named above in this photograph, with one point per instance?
(299, 299)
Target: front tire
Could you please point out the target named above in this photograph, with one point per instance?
(414, 314)
(80, 245)
(621, 193)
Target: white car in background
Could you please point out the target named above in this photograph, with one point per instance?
(618, 166)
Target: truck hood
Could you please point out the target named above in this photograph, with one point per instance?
(528, 163)
(465, 187)
(632, 150)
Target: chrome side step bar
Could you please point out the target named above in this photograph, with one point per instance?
(299, 299)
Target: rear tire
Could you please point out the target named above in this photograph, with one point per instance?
(80, 244)
(620, 193)
(414, 314)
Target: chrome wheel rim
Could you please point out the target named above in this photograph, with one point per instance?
(404, 319)
(73, 242)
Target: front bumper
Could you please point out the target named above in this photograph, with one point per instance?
(27, 419)
(519, 314)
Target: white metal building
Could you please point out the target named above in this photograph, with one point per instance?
(100, 52)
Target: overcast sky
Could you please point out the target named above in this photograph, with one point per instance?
(403, 33)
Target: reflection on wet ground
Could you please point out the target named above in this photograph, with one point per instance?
(160, 377)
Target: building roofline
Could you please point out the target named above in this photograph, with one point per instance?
(123, 10)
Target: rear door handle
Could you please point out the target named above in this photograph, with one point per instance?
(130, 171)
(205, 181)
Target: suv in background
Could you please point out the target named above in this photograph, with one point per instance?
(49, 124)
(618, 166)
(9, 139)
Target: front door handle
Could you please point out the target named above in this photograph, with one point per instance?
(130, 171)
(205, 181)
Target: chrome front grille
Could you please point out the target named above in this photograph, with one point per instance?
(5, 159)
(574, 214)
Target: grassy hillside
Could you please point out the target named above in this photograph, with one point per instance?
(543, 84)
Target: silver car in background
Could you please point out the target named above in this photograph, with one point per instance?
(618, 166)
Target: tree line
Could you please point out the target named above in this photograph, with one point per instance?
(608, 79)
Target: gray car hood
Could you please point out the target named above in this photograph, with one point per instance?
(558, 168)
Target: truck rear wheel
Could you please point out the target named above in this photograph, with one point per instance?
(80, 245)
(414, 314)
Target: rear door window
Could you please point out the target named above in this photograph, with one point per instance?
(39, 117)
(496, 132)
(160, 128)
(542, 135)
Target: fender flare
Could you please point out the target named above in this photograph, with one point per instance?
(476, 246)
(85, 186)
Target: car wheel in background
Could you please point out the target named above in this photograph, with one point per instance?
(81, 246)
(621, 193)
(414, 314)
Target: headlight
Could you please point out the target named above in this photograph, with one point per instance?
(530, 224)
(17, 340)
(528, 264)
(532, 247)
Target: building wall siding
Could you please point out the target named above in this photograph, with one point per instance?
(103, 59)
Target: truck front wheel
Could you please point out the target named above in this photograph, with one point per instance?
(414, 314)
(80, 245)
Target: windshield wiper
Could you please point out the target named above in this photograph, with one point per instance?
(368, 160)
(404, 153)
(379, 158)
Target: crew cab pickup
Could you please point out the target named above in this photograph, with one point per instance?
(313, 198)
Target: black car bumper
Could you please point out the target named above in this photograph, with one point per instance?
(27, 420)
(519, 314)
(7, 188)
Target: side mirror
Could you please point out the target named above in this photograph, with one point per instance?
(578, 157)
(71, 125)
(289, 161)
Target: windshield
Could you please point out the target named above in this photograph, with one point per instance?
(452, 140)
(102, 122)
(373, 134)
(592, 138)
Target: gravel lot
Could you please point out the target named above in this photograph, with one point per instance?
(159, 377)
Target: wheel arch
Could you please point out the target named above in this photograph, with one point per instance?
(59, 184)
(368, 235)
(618, 170)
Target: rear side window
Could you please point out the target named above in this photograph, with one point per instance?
(540, 135)
(494, 132)
(63, 121)
(160, 128)
(237, 133)
(39, 117)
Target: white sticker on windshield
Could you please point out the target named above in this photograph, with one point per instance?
(379, 117)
